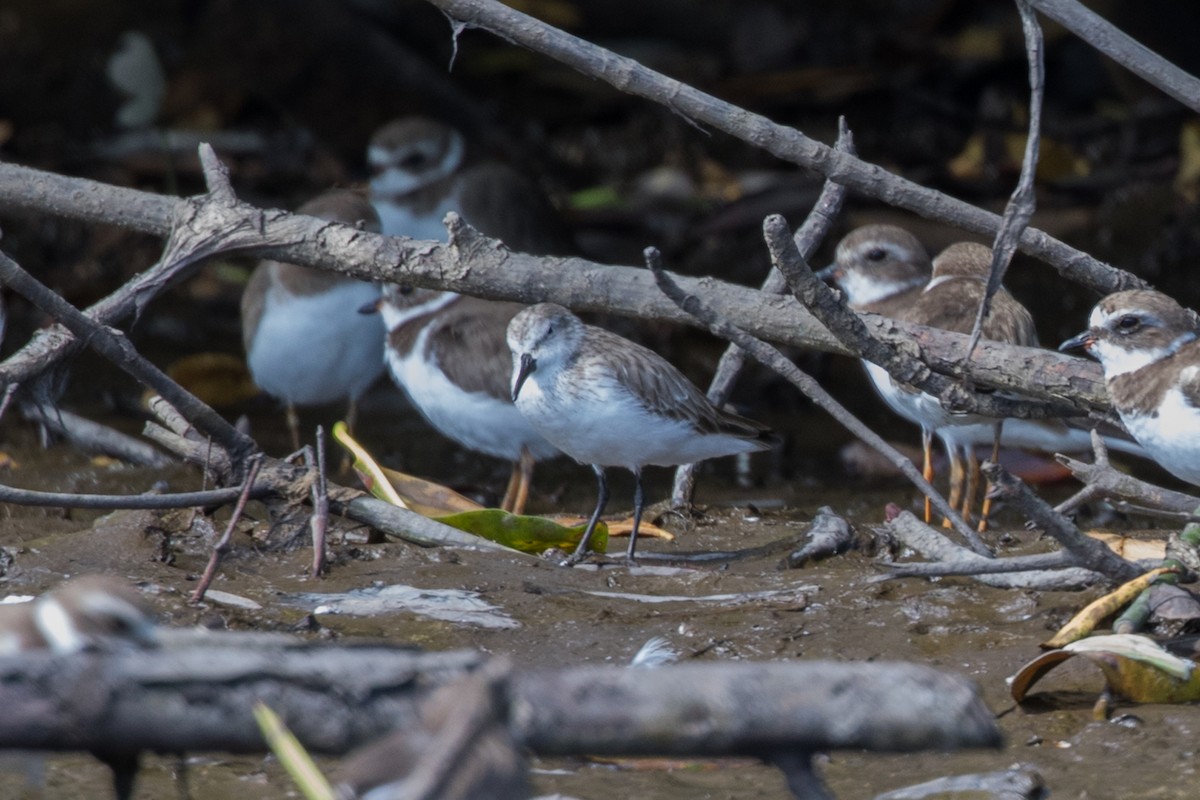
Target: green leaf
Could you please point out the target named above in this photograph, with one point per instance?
(524, 533)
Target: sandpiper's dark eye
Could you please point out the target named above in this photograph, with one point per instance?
(876, 254)
(1128, 323)
(406, 290)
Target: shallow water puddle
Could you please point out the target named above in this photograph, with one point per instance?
(447, 605)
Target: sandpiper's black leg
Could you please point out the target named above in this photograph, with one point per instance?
(581, 551)
(639, 501)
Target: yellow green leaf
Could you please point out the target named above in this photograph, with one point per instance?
(1139, 669)
(1086, 620)
(368, 471)
(1134, 666)
(292, 755)
(527, 534)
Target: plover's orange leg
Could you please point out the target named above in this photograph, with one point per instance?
(927, 470)
(517, 493)
(986, 511)
(972, 481)
(957, 478)
(293, 423)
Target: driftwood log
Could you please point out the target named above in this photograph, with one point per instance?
(199, 697)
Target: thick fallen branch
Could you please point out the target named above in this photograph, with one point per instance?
(96, 438)
(474, 264)
(335, 698)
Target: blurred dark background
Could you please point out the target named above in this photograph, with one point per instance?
(289, 91)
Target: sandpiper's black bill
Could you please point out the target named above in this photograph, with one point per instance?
(829, 274)
(1082, 341)
(526, 368)
(371, 307)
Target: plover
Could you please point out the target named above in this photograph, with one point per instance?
(305, 342)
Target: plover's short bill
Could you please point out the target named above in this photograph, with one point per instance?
(448, 353)
(608, 402)
(1147, 344)
(305, 342)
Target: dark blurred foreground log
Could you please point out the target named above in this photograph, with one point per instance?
(334, 698)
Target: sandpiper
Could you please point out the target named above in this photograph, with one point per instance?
(608, 402)
(81, 613)
(305, 343)
(421, 169)
(1147, 344)
(447, 352)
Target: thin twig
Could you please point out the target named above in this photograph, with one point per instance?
(222, 545)
(212, 497)
(1088, 552)
(1023, 201)
(950, 558)
(773, 359)
(808, 238)
(968, 566)
(1123, 48)
(1103, 481)
(116, 347)
(320, 513)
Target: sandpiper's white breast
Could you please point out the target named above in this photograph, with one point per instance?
(595, 419)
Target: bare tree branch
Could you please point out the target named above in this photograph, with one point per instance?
(816, 226)
(901, 362)
(786, 143)
(1124, 49)
(1101, 481)
(773, 359)
(1088, 552)
(114, 346)
(1023, 201)
(476, 265)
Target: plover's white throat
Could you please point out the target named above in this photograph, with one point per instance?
(1149, 347)
(421, 169)
(448, 353)
(81, 613)
(608, 402)
(305, 342)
